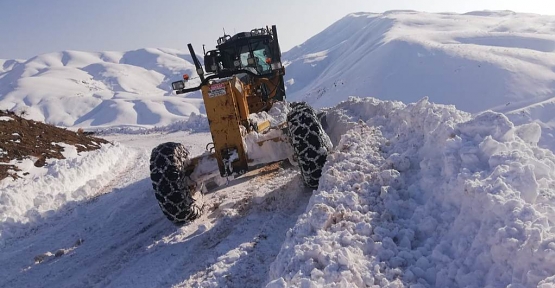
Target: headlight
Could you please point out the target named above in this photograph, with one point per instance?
(236, 63)
(200, 71)
(251, 61)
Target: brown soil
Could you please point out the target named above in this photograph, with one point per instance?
(21, 138)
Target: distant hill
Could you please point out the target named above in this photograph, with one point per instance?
(480, 60)
(477, 61)
(86, 89)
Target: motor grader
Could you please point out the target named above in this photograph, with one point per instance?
(244, 96)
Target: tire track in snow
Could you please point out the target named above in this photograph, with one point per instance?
(129, 243)
(77, 222)
(249, 232)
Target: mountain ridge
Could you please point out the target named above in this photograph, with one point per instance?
(480, 60)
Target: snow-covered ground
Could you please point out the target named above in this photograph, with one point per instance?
(428, 195)
(415, 194)
(106, 229)
(412, 194)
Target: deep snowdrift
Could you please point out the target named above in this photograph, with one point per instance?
(426, 194)
(26, 201)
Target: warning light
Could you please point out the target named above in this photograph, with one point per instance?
(185, 77)
(268, 60)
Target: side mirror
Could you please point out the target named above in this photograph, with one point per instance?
(178, 85)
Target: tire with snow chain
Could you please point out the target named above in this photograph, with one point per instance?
(168, 162)
(310, 143)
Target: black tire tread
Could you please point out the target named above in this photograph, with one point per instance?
(310, 143)
(171, 186)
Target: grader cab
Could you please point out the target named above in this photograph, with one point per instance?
(242, 80)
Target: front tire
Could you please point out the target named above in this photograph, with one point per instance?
(310, 143)
(168, 163)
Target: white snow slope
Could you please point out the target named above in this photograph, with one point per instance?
(415, 194)
(500, 60)
(85, 89)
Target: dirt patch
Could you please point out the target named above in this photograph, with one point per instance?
(21, 138)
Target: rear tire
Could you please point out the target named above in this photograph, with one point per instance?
(310, 143)
(172, 188)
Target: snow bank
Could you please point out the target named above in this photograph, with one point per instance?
(25, 202)
(424, 195)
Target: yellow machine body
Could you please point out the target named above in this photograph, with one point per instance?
(228, 103)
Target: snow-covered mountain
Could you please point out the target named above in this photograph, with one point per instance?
(475, 61)
(498, 60)
(85, 89)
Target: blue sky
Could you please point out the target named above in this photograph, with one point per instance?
(29, 28)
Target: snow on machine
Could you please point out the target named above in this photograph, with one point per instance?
(250, 122)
